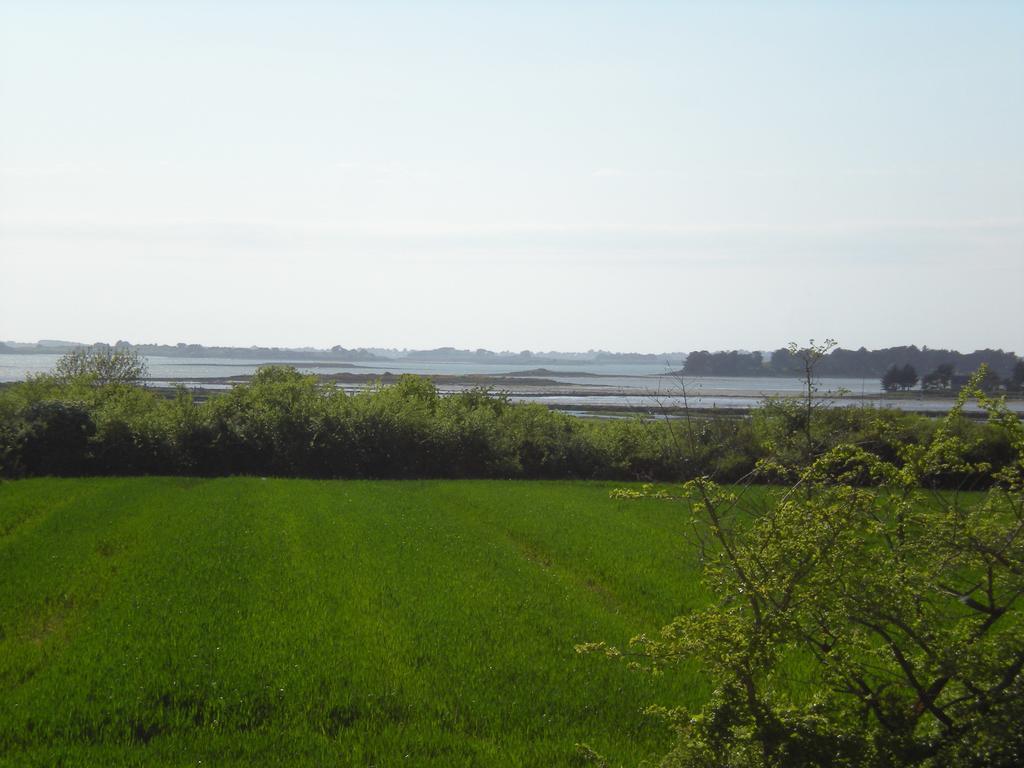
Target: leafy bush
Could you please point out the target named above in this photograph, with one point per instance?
(287, 424)
(53, 438)
(860, 619)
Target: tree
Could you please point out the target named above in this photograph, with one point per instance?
(899, 377)
(698, 364)
(939, 379)
(1017, 377)
(783, 363)
(102, 364)
(891, 379)
(866, 621)
(908, 377)
(810, 356)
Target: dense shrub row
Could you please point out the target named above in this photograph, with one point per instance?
(284, 423)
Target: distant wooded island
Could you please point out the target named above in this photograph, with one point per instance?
(849, 363)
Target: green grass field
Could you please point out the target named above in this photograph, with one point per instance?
(244, 621)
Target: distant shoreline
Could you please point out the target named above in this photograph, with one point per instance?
(602, 400)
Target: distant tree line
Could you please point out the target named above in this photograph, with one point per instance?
(860, 363)
(945, 379)
(182, 349)
(340, 353)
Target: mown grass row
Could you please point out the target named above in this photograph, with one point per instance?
(168, 621)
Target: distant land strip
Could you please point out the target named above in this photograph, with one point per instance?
(840, 362)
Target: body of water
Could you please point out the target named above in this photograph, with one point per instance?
(578, 384)
(641, 376)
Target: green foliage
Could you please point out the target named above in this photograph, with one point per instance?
(862, 618)
(102, 364)
(53, 437)
(284, 423)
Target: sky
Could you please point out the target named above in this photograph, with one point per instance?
(631, 176)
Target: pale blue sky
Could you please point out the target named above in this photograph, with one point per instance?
(628, 176)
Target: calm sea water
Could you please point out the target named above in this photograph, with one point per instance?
(644, 376)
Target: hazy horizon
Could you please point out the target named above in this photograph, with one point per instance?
(495, 350)
(631, 177)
